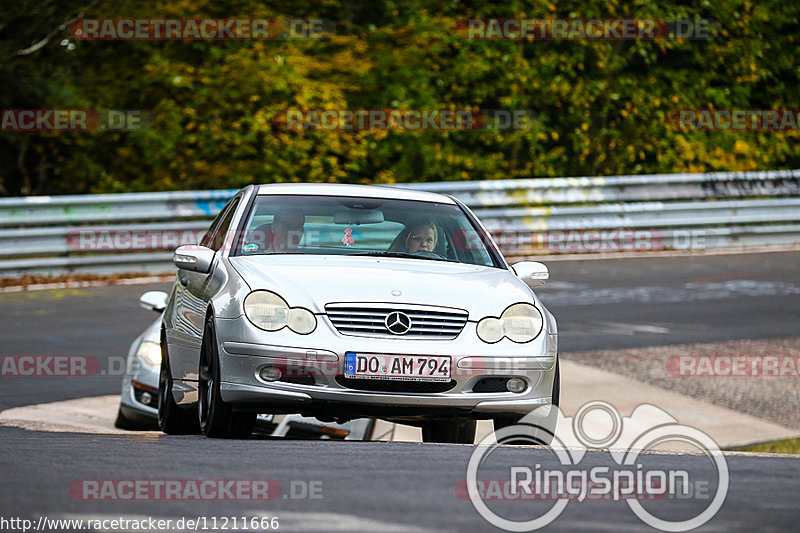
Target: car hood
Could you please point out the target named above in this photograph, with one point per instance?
(314, 281)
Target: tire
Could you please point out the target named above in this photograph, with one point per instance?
(543, 434)
(217, 419)
(172, 418)
(450, 431)
(131, 424)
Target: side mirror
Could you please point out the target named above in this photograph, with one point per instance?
(154, 300)
(193, 257)
(532, 273)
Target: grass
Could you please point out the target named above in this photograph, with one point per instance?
(775, 446)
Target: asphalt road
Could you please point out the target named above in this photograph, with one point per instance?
(99, 321)
(364, 486)
(602, 304)
(628, 303)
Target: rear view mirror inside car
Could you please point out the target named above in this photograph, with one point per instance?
(358, 216)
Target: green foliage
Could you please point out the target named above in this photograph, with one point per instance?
(599, 107)
(775, 446)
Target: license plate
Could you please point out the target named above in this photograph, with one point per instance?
(405, 367)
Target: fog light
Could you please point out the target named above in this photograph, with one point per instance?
(269, 373)
(146, 398)
(516, 385)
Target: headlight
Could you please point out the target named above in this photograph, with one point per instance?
(519, 322)
(267, 310)
(490, 329)
(150, 353)
(302, 321)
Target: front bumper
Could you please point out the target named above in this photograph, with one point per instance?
(321, 390)
(146, 380)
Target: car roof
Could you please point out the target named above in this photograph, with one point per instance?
(341, 189)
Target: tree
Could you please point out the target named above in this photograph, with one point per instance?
(596, 107)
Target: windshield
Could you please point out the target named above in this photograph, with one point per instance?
(336, 225)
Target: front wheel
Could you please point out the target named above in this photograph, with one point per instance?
(172, 419)
(217, 419)
(450, 431)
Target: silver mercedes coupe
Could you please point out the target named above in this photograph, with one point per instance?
(348, 301)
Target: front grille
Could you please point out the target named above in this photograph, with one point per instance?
(391, 385)
(369, 320)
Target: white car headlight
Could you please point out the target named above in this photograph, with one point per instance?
(267, 310)
(150, 352)
(301, 320)
(490, 329)
(520, 323)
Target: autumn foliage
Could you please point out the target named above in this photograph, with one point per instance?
(597, 107)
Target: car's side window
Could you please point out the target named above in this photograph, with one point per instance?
(206, 240)
(222, 231)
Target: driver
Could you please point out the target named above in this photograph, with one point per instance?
(283, 234)
(421, 237)
(288, 228)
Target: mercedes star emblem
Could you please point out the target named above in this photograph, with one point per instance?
(398, 323)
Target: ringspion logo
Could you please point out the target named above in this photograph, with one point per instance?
(547, 487)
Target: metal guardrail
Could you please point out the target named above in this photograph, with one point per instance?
(112, 208)
(613, 189)
(41, 235)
